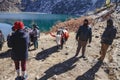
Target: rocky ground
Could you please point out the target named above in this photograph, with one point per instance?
(9, 6)
(68, 7)
(48, 63)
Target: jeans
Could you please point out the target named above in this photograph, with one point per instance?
(35, 43)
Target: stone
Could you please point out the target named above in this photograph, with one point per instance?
(96, 36)
(89, 46)
(66, 53)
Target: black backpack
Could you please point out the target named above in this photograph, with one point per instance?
(9, 43)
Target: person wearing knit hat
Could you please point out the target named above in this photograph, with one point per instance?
(107, 38)
(19, 43)
(18, 25)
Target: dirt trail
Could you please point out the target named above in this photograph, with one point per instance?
(47, 63)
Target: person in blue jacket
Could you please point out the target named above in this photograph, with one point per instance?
(19, 42)
(84, 34)
(107, 38)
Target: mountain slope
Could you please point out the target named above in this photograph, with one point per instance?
(71, 7)
(9, 5)
(61, 6)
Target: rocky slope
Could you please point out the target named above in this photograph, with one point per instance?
(48, 63)
(9, 5)
(71, 7)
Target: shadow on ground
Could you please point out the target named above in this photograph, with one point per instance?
(45, 53)
(60, 68)
(5, 54)
(90, 74)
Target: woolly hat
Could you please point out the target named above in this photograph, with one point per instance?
(110, 22)
(86, 20)
(18, 25)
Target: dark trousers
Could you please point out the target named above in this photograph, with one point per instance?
(20, 63)
(62, 42)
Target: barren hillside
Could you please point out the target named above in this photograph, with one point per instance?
(48, 63)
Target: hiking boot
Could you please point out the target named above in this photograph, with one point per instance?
(24, 77)
(99, 59)
(83, 57)
(76, 54)
(18, 78)
(35, 48)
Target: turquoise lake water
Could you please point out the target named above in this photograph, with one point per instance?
(44, 21)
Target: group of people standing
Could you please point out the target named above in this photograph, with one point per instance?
(84, 36)
(19, 41)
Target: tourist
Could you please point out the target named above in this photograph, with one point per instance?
(62, 36)
(84, 34)
(107, 38)
(19, 42)
(35, 34)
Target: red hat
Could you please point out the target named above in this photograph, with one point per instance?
(18, 25)
(15, 25)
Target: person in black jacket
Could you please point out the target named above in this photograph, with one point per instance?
(19, 42)
(107, 38)
(84, 34)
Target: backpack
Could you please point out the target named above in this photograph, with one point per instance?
(66, 34)
(9, 43)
